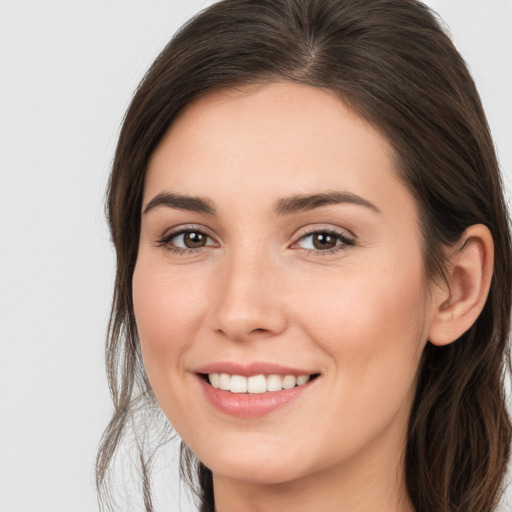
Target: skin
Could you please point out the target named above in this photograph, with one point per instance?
(258, 290)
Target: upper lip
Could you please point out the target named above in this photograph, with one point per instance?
(248, 369)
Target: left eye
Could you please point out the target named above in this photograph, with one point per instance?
(323, 240)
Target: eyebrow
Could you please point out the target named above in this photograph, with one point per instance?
(301, 203)
(284, 206)
(181, 202)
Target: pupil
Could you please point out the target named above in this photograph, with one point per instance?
(324, 241)
(193, 240)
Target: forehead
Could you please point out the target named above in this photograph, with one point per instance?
(271, 141)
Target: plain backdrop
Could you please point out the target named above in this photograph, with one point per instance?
(67, 73)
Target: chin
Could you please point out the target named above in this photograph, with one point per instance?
(257, 465)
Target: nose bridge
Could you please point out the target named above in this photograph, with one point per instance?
(248, 300)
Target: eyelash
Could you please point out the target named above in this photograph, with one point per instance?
(345, 241)
(343, 238)
(165, 241)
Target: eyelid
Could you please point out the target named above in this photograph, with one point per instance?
(324, 228)
(347, 238)
(165, 240)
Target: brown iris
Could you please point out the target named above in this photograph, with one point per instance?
(193, 239)
(324, 241)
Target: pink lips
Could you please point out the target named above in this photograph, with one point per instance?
(252, 369)
(244, 405)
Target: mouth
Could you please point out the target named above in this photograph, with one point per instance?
(254, 389)
(256, 384)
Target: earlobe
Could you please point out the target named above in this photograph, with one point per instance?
(469, 278)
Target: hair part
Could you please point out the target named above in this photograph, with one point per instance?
(390, 62)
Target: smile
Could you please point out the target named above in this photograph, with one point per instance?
(256, 384)
(255, 389)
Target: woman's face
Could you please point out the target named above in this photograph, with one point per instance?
(278, 243)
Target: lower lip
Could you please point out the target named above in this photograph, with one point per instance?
(247, 405)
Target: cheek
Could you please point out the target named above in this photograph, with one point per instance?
(374, 330)
(166, 311)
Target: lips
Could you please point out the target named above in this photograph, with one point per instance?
(254, 368)
(255, 389)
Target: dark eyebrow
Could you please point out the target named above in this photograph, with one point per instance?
(284, 206)
(181, 202)
(301, 203)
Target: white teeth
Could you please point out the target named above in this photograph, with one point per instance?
(224, 381)
(238, 384)
(256, 383)
(274, 383)
(302, 379)
(289, 382)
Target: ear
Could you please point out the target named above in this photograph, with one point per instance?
(469, 275)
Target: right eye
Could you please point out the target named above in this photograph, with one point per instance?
(186, 241)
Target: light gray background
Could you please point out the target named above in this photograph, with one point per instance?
(67, 72)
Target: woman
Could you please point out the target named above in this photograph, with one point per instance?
(313, 262)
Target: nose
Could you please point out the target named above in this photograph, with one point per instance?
(249, 303)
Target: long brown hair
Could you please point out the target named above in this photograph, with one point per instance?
(391, 62)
